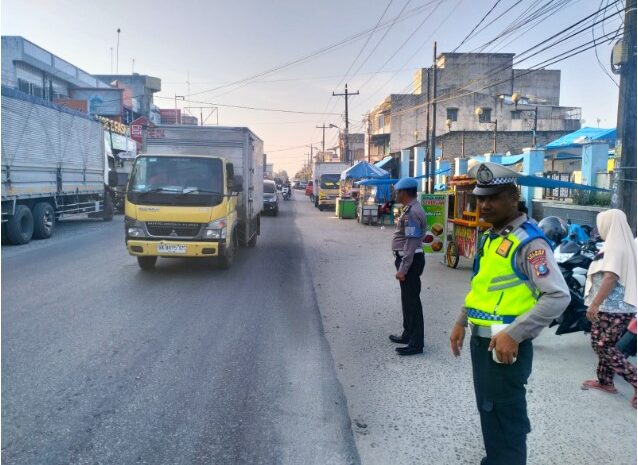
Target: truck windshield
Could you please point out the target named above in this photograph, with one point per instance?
(163, 180)
(330, 181)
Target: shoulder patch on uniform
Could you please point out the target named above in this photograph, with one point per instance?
(538, 259)
(505, 247)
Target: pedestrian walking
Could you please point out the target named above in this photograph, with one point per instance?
(516, 291)
(610, 293)
(409, 260)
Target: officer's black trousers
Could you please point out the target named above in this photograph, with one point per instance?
(500, 397)
(411, 301)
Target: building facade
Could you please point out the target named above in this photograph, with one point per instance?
(138, 94)
(476, 93)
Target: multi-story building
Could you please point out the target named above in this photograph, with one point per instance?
(35, 71)
(475, 107)
(356, 146)
(138, 94)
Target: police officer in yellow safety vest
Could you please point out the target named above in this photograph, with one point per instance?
(516, 291)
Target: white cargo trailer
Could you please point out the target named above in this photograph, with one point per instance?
(53, 167)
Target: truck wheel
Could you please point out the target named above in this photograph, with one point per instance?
(147, 263)
(20, 226)
(43, 220)
(253, 241)
(109, 209)
(226, 260)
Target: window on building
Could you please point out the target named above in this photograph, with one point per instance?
(381, 121)
(453, 114)
(24, 86)
(486, 116)
(516, 114)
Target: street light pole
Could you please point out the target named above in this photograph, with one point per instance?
(117, 54)
(181, 97)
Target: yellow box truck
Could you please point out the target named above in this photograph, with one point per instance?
(195, 191)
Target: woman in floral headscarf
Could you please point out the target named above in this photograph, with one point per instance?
(610, 293)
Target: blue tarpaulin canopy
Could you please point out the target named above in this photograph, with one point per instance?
(363, 170)
(390, 181)
(384, 162)
(584, 135)
(506, 160)
(538, 181)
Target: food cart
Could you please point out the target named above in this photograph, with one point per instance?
(464, 225)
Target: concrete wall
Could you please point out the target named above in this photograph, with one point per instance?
(480, 142)
(580, 214)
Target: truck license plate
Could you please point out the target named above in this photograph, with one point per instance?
(171, 248)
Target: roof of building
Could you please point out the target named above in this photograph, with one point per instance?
(582, 136)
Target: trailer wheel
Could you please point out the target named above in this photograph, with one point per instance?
(147, 263)
(20, 226)
(43, 220)
(109, 209)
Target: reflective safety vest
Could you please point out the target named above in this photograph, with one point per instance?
(500, 292)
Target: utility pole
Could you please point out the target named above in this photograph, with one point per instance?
(624, 186)
(433, 137)
(347, 141)
(323, 137)
(427, 129)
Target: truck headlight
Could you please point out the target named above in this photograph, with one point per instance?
(216, 229)
(134, 228)
(322, 195)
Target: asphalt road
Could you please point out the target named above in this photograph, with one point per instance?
(105, 364)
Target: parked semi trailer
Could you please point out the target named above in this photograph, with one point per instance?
(53, 167)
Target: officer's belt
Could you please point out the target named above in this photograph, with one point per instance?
(481, 331)
(480, 315)
(401, 254)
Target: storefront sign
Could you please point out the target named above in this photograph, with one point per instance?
(435, 207)
(114, 126)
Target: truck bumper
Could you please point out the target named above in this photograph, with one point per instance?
(328, 202)
(179, 249)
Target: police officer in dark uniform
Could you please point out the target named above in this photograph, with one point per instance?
(517, 290)
(407, 248)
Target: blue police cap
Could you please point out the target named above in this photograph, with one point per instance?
(406, 183)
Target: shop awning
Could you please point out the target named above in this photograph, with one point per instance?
(363, 170)
(582, 136)
(384, 162)
(506, 160)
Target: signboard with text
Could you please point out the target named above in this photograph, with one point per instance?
(435, 207)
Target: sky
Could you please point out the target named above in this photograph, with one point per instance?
(197, 46)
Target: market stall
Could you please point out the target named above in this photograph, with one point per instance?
(353, 200)
(463, 222)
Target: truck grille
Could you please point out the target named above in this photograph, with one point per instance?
(161, 229)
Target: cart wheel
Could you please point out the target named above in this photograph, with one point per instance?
(452, 254)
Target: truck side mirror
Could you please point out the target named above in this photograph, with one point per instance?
(238, 183)
(112, 179)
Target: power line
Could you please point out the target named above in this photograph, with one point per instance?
(243, 107)
(345, 76)
(317, 52)
(477, 25)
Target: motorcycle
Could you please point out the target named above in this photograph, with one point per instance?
(574, 251)
(285, 193)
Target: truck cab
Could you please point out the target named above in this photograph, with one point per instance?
(180, 205)
(328, 191)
